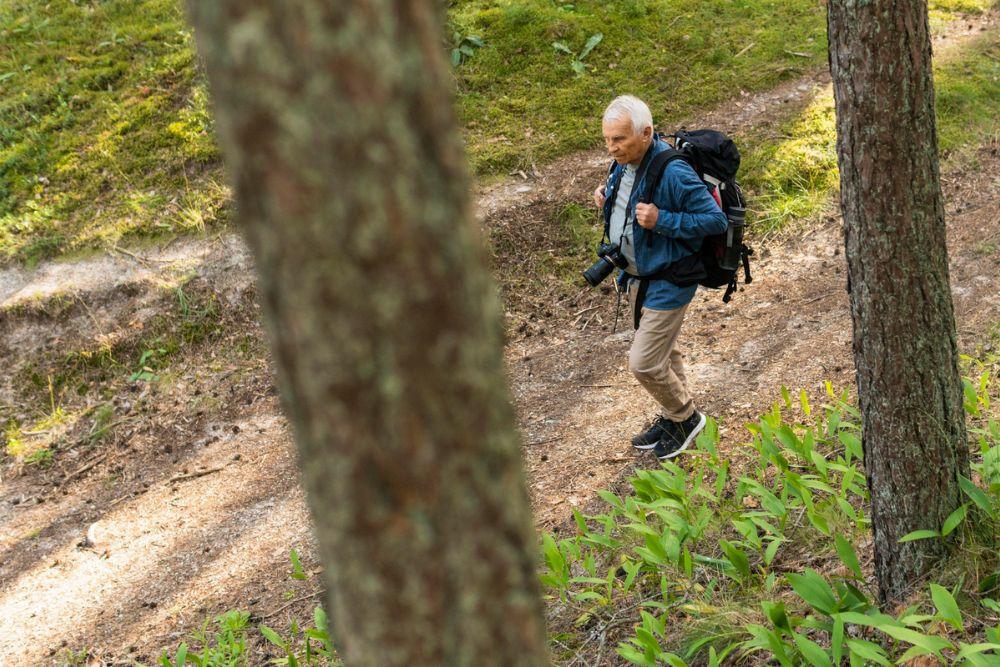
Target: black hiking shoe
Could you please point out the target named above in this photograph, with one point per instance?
(678, 436)
(646, 441)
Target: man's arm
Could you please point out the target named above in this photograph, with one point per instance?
(696, 215)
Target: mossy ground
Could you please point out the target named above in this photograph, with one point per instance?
(793, 179)
(104, 125)
(106, 133)
(521, 100)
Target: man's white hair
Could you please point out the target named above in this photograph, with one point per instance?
(631, 107)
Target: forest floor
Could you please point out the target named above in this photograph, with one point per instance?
(170, 488)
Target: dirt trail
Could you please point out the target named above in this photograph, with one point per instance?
(190, 505)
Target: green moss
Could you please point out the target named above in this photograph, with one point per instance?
(791, 178)
(106, 134)
(795, 177)
(521, 101)
(105, 128)
(968, 96)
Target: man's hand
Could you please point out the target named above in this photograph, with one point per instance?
(646, 215)
(599, 196)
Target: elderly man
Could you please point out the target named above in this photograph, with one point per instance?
(660, 240)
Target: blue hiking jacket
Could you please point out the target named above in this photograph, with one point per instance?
(687, 211)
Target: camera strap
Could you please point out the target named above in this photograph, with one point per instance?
(640, 298)
(618, 309)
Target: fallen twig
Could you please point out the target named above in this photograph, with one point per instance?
(120, 500)
(82, 470)
(817, 298)
(589, 319)
(194, 475)
(745, 49)
(286, 606)
(800, 54)
(543, 442)
(140, 258)
(25, 503)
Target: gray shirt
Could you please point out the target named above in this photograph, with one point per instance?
(620, 230)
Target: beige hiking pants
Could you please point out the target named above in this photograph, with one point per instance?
(655, 360)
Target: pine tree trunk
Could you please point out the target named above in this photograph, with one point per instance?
(337, 126)
(905, 349)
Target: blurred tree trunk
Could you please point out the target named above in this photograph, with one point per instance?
(905, 349)
(337, 126)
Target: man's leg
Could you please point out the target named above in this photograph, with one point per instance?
(677, 364)
(655, 361)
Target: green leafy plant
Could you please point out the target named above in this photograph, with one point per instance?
(577, 58)
(462, 47)
(145, 372)
(226, 647)
(718, 567)
(40, 457)
(305, 646)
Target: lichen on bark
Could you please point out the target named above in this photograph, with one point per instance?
(337, 128)
(905, 347)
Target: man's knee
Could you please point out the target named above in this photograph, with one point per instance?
(644, 367)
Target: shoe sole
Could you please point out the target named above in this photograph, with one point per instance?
(644, 448)
(687, 443)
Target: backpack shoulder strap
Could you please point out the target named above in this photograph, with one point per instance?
(607, 225)
(654, 172)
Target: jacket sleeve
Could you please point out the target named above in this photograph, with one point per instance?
(690, 212)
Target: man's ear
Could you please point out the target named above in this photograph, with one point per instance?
(647, 133)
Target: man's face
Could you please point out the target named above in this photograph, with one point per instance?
(624, 145)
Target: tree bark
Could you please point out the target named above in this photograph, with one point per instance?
(351, 185)
(905, 349)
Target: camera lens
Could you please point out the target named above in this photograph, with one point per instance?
(601, 269)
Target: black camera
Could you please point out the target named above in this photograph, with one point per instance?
(610, 257)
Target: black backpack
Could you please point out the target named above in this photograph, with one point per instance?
(715, 159)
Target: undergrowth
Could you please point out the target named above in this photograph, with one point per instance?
(88, 377)
(709, 565)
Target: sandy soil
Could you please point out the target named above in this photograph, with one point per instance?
(189, 504)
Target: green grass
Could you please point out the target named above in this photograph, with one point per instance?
(521, 101)
(968, 97)
(104, 127)
(795, 177)
(106, 135)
